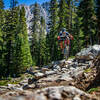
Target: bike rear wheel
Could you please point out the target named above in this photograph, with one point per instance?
(66, 52)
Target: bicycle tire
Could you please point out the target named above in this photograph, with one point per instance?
(66, 52)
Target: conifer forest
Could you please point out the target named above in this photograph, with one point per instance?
(21, 49)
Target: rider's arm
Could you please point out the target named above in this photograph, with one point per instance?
(67, 34)
(60, 33)
(70, 36)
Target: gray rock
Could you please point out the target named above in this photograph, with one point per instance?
(76, 98)
(57, 91)
(89, 53)
(65, 77)
(96, 50)
(56, 67)
(65, 69)
(1, 98)
(70, 61)
(24, 82)
(3, 87)
(77, 74)
(50, 72)
(40, 97)
(32, 86)
(38, 75)
(15, 87)
(44, 69)
(54, 94)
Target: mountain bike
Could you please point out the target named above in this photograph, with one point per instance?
(65, 50)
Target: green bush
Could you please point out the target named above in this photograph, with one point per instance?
(92, 90)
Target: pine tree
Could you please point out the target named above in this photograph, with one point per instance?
(11, 20)
(71, 20)
(62, 14)
(69, 15)
(88, 21)
(1, 4)
(2, 42)
(42, 44)
(23, 55)
(35, 33)
(53, 46)
(98, 20)
(77, 34)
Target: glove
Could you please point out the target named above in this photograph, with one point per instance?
(58, 37)
(71, 37)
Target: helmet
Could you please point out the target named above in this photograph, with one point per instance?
(63, 29)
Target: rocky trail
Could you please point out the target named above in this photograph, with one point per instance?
(75, 79)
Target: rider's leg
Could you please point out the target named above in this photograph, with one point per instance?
(61, 44)
(65, 42)
(68, 42)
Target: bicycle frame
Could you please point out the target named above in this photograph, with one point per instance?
(66, 47)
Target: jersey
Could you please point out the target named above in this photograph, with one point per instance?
(64, 35)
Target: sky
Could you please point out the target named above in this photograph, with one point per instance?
(27, 2)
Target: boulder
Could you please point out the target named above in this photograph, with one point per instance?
(57, 67)
(88, 53)
(44, 69)
(38, 75)
(50, 73)
(31, 80)
(65, 77)
(15, 87)
(40, 96)
(32, 86)
(63, 93)
(76, 98)
(96, 50)
(24, 82)
(54, 94)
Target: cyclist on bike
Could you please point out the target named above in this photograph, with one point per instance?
(64, 38)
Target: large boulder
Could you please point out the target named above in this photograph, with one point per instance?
(38, 75)
(88, 53)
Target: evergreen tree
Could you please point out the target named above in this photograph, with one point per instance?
(35, 33)
(71, 21)
(69, 15)
(62, 14)
(77, 34)
(98, 20)
(11, 20)
(1, 4)
(53, 46)
(88, 22)
(2, 42)
(42, 44)
(23, 56)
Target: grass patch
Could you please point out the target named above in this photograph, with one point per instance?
(87, 70)
(92, 90)
(71, 57)
(6, 82)
(3, 82)
(10, 80)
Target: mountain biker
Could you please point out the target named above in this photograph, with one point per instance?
(64, 38)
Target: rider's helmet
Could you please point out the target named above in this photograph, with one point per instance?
(63, 30)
